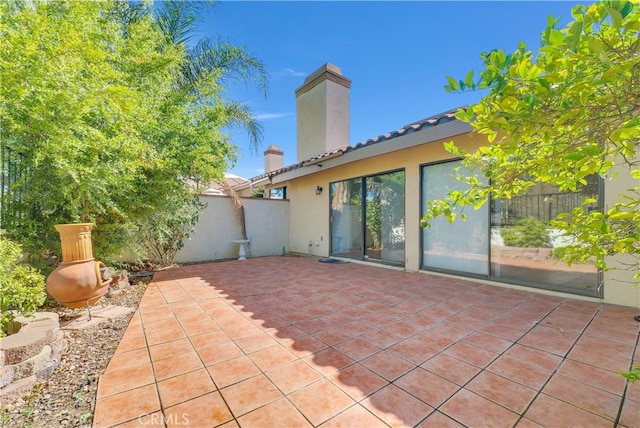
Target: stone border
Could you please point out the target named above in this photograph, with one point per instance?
(30, 355)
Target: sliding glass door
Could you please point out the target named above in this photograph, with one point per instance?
(462, 246)
(508, 240)
(367, 218)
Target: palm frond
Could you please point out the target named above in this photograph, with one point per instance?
(239, 115)
(176, 19)
(231, 62)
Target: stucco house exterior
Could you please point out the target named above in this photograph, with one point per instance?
(363, 202)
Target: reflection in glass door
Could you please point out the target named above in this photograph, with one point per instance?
(384, 217)
(346, 218)
(369, 224)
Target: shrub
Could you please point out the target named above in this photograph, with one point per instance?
(167, 227)
(21, 287)
(527, 232)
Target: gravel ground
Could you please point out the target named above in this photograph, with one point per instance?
(67, 397)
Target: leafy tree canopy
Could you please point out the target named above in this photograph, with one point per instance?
(557, 117)
(107, 112)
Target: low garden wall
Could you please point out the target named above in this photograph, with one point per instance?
(267, 225)
(30, 355)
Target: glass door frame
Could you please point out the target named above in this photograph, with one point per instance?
(363, 214)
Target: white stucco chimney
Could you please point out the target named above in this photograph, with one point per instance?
(273, 158)
(322, 109)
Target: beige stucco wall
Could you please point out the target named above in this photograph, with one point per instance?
(217, 228)
(309, 213)
(618, 282)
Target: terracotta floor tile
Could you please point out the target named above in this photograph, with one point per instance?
(293, 376)
(488, 342)
(131, 343)
(126, 406)
(498, 329)
(527, 423)
(115, 381)
(551, 412)
(250, 394)
(412, 350)
(232, 371)
(630, 411)
(428, 387)
(357, 349)
(475, 411)
(155, 337)
(280, 413)
(604, 346)
(255, 343)
(471, 354)
(396, 407)
(328, 361)
(512, 395)
(607, 362)
(209, 339)
(187, 307)
(382, 338)
(534, 356)
(387, 365)
(521, 372)
(583, 396)
(156, 316)
(123, 360)
(208, 410)
(176, 365)
(305, 345)
(357, 381)
(272, 357)
(452, 369)
(170, 349)
(354, 416)
(185, 387)
(218, 353)
(162, 324)
(320, 401)
(403, 328)
(439, 420)
(242, 329)
(290, 331)
(236, 314)
(146, 420)
(549, 339)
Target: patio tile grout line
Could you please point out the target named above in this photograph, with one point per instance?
(409, 314)
(626, 385)
(555, 371)
(262, 372)
(485, 369)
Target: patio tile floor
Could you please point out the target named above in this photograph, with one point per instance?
(290, 342)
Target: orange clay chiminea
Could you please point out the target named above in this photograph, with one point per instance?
(77, 281)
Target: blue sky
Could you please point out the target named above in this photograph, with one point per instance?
(397, 55)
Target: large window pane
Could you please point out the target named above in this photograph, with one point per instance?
(346, 218)
(384, 216)
(459, 247)
(522, 240)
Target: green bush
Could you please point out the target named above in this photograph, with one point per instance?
(21, 287)
(527, 232)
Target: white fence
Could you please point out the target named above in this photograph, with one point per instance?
(267, 224)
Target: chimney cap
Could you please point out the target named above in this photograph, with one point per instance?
(274, 150)
(327, 71)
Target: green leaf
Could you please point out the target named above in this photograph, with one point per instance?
(453, 85)
(556, 38)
